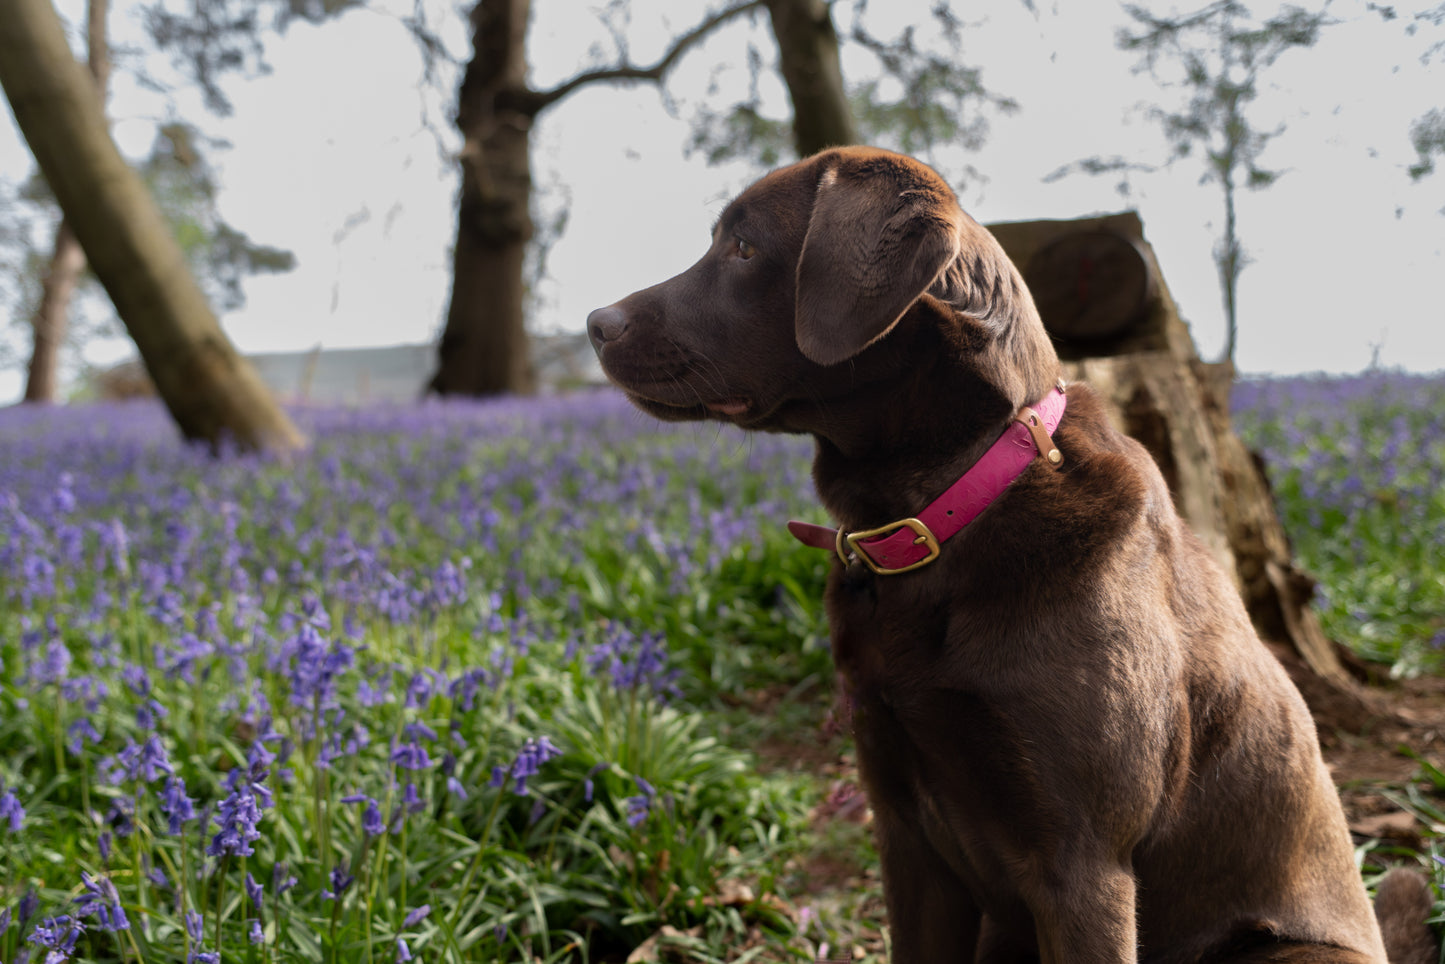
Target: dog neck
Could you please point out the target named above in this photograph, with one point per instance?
(916, 539)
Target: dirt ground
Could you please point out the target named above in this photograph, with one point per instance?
(1371, 759)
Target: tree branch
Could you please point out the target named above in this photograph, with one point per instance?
(532, 102)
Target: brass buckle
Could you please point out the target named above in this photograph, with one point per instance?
(925, 538)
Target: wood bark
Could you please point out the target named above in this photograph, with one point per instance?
(483, 348)
(57, 288)
(210, 390)
(67, 260)
(808, 60)
(1178, 408)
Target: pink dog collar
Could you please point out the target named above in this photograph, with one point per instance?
(914, 542)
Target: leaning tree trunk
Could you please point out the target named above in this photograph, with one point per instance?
(1103, 299)
(808, 61)
(67, 260)
(211, 391)
(484, 346)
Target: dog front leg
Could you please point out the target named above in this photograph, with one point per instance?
(932, 918)
(1087, 917)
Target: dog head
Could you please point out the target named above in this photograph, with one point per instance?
(828, 279)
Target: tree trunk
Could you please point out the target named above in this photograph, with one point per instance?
(1160, 393)
(808, 61)
(67, 261)
(211, 391)
(484, 347)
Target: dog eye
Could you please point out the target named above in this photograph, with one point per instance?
(745, 250)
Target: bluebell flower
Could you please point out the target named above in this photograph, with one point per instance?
(403, 953)
(255, 933)
(640, 806)
(634, 662)
(416, 916)
(29, 904)
(58, 936)
(177, 807)
(254, 891)
(535, 751)
(281, 881)
(371, 822)
(4, 921)
(241, 810)
(341, 879)
(410, 756)
(81, 732)
(587, 785)
(11, 812)
(137, 762)
(101, 899)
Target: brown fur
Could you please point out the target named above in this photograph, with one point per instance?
(1074, 745)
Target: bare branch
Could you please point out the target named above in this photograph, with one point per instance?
(533, 102)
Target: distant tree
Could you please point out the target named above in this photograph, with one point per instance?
(67, 260)
(940, 100)
(184, 185)
(1217, 55)
(809, 62)
(1427, 132)
(1427, 136)
(483, 348)
(210, 390)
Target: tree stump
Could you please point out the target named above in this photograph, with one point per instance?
(1116, 326)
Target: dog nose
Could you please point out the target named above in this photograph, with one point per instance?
(606, 324)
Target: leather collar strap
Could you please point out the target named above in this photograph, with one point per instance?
(913, 542)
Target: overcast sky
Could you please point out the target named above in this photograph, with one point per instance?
(339, 157)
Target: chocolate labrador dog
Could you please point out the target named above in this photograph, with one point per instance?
(1074, 745)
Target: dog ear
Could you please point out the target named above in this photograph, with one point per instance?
(872, 248)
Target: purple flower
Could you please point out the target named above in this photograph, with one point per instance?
(82, 731)
(587, 785)
(280, 880)
(254, 891)
(101, 899)
(371, 822)
(11, 812)
(640, 806)
(415, 917)
(241, 810)
(58, 935)
(256, 934)
(4, 921)
(177, 807)
(341, 879)
(138, 762)
(403, 953)
(634, 662)
(535, 751)
(195, 925)
(411, 756)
